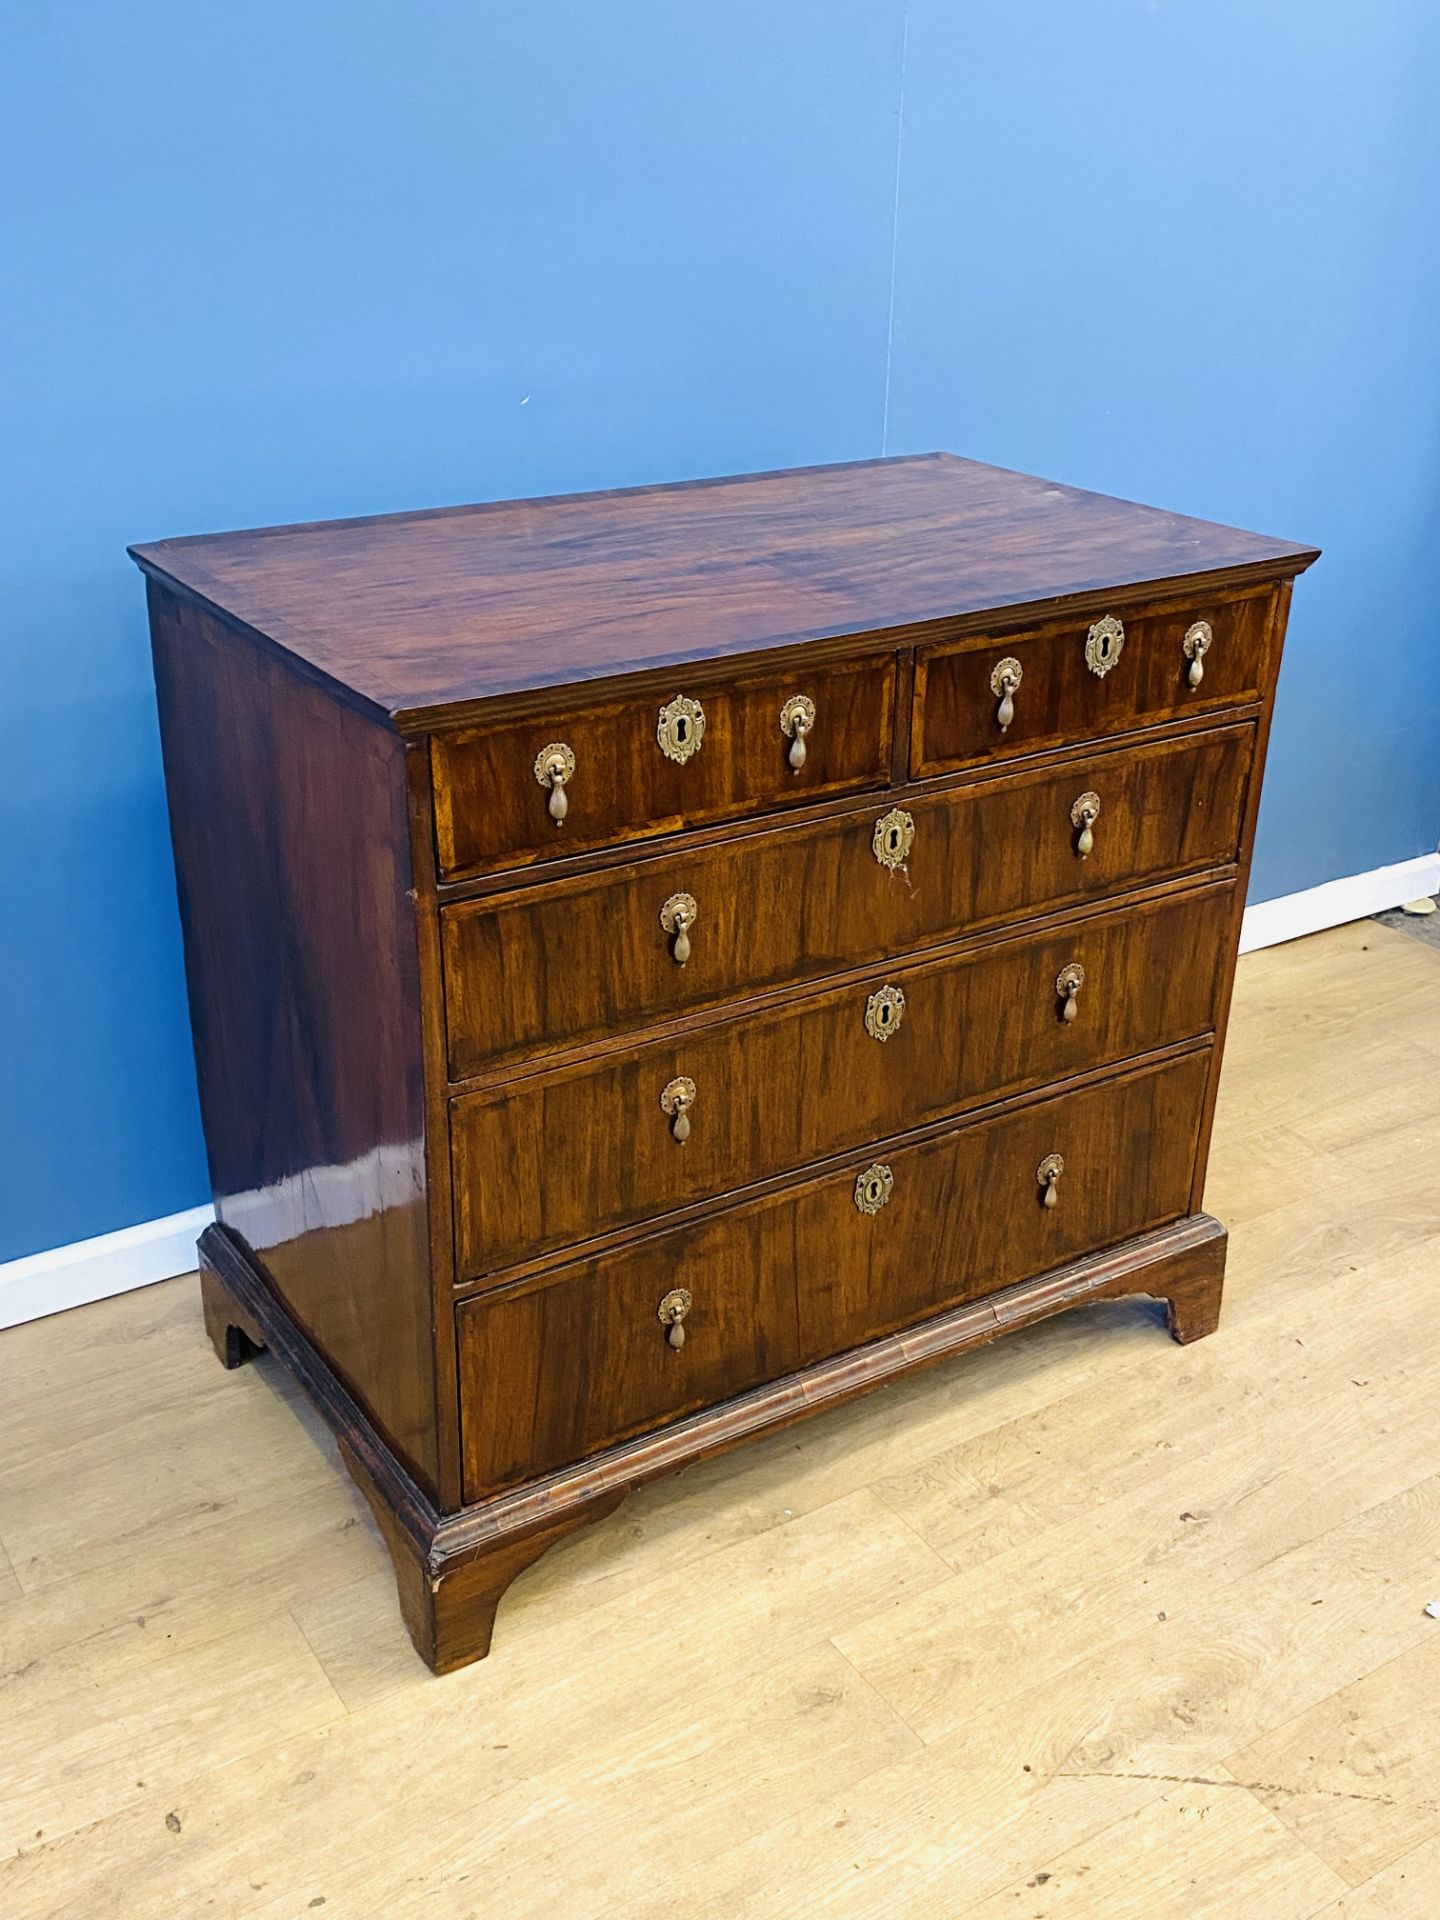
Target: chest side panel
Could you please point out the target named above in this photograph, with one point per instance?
(288, 817)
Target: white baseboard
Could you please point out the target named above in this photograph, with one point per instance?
(1355, 897)
(88, 1270)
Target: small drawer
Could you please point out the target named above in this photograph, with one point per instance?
(578, 1359)
(672, 1121)
(586, 958)
(585, 774)
(997, 694)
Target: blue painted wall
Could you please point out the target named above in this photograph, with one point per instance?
(277, 261)
(1190, 253)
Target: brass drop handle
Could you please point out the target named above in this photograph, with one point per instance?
(1068, 983)
(1196, 645)
(672, 1311)
(1048, 1174)
(1084, 814)
(677, 1100)
(554, 766)
(677, 916)
(1004, 683)
(797, 719)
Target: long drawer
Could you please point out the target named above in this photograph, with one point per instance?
(587, 958)
(581, 1358)
(594, 1147)
(993, 695)
(640, 765)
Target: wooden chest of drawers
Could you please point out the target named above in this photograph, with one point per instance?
(662, 962)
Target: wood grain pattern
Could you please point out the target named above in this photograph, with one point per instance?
(811, 899)
(1060, 699)
(1280, 613)
(555, 1370)
(413, 613)
(288, 815)
(491, 813)
(589, 1148)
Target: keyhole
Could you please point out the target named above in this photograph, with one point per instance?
(680, 725)
(886, 1014)
(872, 1191)
(892, 840)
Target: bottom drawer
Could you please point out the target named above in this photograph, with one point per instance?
(572, 1362)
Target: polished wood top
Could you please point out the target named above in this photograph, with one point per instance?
(416, 612)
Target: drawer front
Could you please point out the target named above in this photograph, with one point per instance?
(556, 1371)
(543, 1162)
(728, 749)
(1148, 677)
(589, 957)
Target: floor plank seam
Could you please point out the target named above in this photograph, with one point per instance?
(1318, 1539)
(889, 1705)
(915, 1534)
(1426, 1841)
(1046, 1865)
(346, 1710)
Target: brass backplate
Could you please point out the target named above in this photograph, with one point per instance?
(798, 707)
(679, 910)
(674, 1306)
(1006, 676)
(1197, 639)
(556, 758)
(678, 1095)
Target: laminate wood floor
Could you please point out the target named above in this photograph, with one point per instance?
(1084, 1624)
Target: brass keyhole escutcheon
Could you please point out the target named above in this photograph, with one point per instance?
(1004, 683)
(554, 768)
(1068, 983)
(797, 721)
(677, 916)
(884, 1011)
(1104, 644)
(893, 837)
(677, 1100)
(874, 1187)
(1084, 814)
(1196, 645)
(1048, 1174)
(672, 1311)
(681, 728)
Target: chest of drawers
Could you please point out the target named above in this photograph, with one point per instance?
(663, 962)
